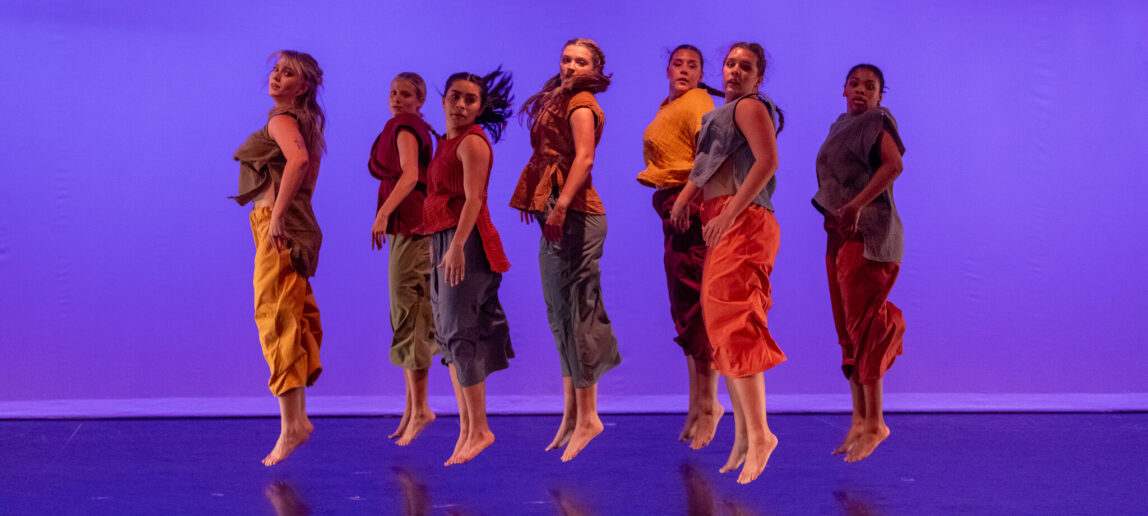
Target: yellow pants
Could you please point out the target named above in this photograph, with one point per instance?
(285, 313)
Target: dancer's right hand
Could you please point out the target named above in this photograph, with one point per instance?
(379, 231)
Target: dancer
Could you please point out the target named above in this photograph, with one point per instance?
(556, 189)
(278, 168)
(668, 148)
(470, 326)
(399, 159)
(856, 167)
(735, 164)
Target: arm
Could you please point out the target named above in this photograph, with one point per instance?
(891, 166)
(408, 147)
(680, 213)
(582, 127)
(475, 156)
(753, 120)
(285, 131)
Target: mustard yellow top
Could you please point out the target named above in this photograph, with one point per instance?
(669, 141)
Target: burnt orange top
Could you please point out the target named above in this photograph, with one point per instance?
(553, 142)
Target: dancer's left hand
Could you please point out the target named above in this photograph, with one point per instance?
(552, 230)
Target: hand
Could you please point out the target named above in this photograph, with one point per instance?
(716, 228)
(276, 232)
(379, 230)
(453, 265)
(680, 216)
(526, 217)
(848, 216)
(552, 230)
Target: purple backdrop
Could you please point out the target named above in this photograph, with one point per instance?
(125, 272)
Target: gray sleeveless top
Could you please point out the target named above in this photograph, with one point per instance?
(845, 164)
(261, 164)
(719, 139)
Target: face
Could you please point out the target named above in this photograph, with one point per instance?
(462, 103)
(285, 81)
(862, 91)
(739, 73)
(576, 60)
(404, 98)
(684, 72)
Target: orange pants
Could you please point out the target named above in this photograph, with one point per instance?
(870, 329)
(735, 291)
(285, 313)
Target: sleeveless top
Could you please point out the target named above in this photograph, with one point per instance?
(446, 196)
(384, 165)
(261, 164)
(669, 143)
(720, 139)
(553, 143)
(845, 164)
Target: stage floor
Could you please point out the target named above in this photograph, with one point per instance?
(932, 464)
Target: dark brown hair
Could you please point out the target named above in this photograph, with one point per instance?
(872, 68)
(701, 64)
(760, 55)
(495, 97)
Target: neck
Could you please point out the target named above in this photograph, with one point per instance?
(675, 95)
(455, 130)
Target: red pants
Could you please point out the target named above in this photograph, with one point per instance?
(870, 329)
(735, 291)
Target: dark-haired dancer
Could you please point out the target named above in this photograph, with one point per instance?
(556, 189)
(735, 164)
(278, 169)
(856, 167)
(470, 325)
(399, 159)
(668, 147)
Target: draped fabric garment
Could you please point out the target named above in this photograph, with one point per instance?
(736, 293)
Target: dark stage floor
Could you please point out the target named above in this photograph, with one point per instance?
(932, 464)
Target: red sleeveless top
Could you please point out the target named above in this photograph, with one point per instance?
(384, 165)
(445, 197)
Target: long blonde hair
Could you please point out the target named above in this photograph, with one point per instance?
(306, 108)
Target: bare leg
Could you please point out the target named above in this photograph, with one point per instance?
(569, 416)
(740, 446)
(762, 442)
(479, 436)
(690, 428)
(874, 429)
(709, 410)
(858, 419)
(463, 419)
(420, 411)
(294, 427)
(588, 425)
(406, 409)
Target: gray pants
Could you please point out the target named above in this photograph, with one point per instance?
(470, 326)
(571, 285)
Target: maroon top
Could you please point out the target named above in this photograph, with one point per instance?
(445, 197)
(384, 165)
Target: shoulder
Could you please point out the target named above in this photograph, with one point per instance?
(698, 97)
(582, 99)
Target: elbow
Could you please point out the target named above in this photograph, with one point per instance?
(895, 169)
(301, 162)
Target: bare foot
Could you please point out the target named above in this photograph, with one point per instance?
(582, 435)
(459, 447)
(418, 421)
(850, 438)
(736, 454)
(707, 426)
(477, 442)
(402, 425)
(756, 458)
(565, 430)
(690, 429)
(289, 439)
(866, 443)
